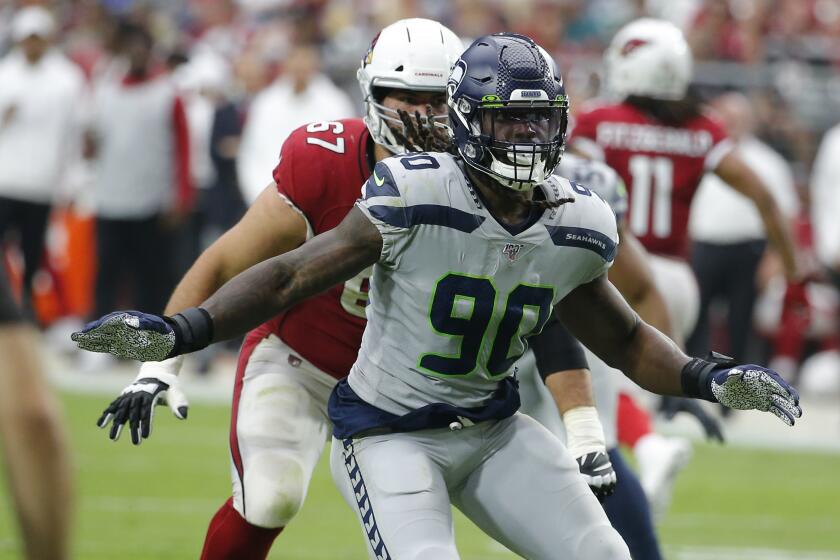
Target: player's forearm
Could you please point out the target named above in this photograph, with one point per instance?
(779, 235)
(274, 285)
(570, 389)
(34, 448)
(200, 282)
(652, 360)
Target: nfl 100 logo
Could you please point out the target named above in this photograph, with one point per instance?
(511, 250)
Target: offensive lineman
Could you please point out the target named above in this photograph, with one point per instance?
(471, 255)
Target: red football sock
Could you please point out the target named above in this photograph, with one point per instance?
(633, 421)
(230, 537)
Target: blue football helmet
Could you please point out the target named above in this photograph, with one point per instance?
(508, 110)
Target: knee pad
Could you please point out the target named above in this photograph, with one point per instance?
(275, 487)
(602, 543)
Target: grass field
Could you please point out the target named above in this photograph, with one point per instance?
(154, 502)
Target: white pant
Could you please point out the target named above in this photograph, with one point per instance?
(279, 426)
(512, 478)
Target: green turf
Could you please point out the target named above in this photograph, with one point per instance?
(155, 501)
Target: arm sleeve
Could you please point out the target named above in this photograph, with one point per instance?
(555, 349)
(384, 205)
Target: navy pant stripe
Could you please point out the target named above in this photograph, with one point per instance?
(363, 502)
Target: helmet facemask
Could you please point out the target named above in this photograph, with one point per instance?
(387, 126)
(517, 143)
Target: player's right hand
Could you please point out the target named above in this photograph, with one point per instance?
(132, 335)
(136, 404)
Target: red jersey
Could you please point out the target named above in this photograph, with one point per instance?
(321, 171)
(661, 165)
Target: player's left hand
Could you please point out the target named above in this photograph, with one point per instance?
(598, 472)
(747, 387)
(128, 334)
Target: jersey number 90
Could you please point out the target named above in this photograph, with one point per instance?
(462, 306)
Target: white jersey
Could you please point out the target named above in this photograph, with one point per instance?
(455, 294)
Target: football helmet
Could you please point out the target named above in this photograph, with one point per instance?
(649, 58)
(508, 110)
(412, 54)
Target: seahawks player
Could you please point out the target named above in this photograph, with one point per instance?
(471, 255)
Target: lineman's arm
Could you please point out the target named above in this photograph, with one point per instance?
(600, 318)
(632, 275)
(734, 172)
(270, 227)
(272, 286)
(561, 363)
(249, 299)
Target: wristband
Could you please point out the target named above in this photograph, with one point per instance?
(169, 366)
(696, 375)
(584, 433)
(193, 328)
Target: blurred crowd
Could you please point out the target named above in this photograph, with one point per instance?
(133, 133)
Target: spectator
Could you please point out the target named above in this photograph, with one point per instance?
(143, 187)
(301, 95)
(727, 232)
(40, 90)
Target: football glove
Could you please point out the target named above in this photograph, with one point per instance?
(155, 384)
(585, 441)
(742, 387)
(598, 472)
(146, 337)
(754, 387)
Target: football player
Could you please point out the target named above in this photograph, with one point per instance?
(470, 256)
(661, 143)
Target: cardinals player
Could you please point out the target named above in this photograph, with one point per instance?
(661, 143)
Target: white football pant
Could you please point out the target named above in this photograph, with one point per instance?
(512, 478)
(278, 429)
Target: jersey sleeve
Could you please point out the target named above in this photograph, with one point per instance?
(384, 205)
(299, 176)
(598, 232)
